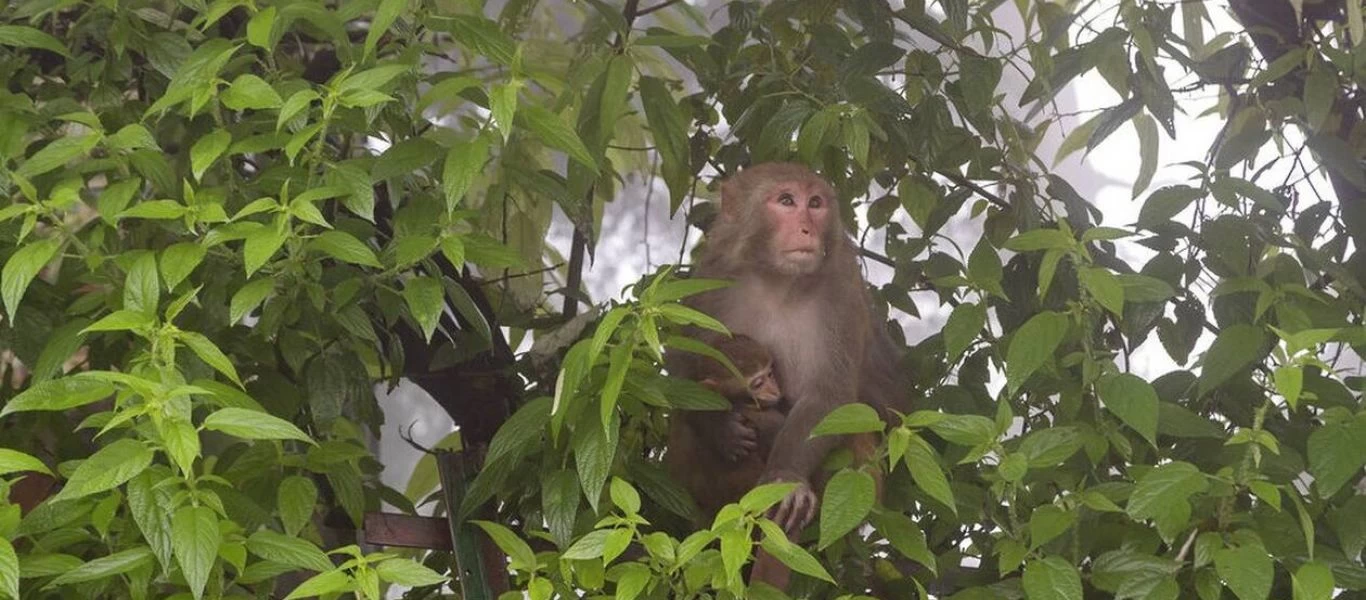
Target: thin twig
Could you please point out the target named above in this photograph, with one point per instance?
(662, 5)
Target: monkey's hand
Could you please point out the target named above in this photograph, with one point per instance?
(737, 438)
(798, 508)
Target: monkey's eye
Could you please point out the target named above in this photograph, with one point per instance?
(756, 383)
(814, 202)
(786, 199)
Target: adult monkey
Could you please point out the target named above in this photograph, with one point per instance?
(800, 293)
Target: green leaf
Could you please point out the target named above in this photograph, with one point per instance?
(616, 86)
(1040, 239)
(855, 417)
(483, 37)
(406, 572)
(1289, 382)
(1161, 495)
(68, 392)
(28, 37)
(385, 15)
(329, 582)
(588, 547)
(962, 328)
(250, 92)
(56, 154)
(373, 79)
(1133, 400)
(594, 451)
(848, 498)
(510, 543)
(207, 150)
(9, 570)
(503, 105)
(1313, 581)
(345, 247)
(763, 497)
(923, 463)
(248, 297)
(1336, 454)
(296, 103)
(1148, 145)
(425, 300)
(1247, 570)
(295, 500)
(1045, 448)
(142, 288)
(107, 566)
(1032, 346)
(1048, 522)
(1236, 347)
(155, 210)
(1051, 578)
(1166, 203)
(1320, 90)
(463, 163)
(624, 496)
(552, 130)
(775, 542)
(670, 129)
(14, 461)
(178, 261)
(262, 244)
(288, 550)
(20, 270)
(965, 430)
(253, 425)
(905, 536)
(208, 352)
(107, 468)
(1104, 287)
(195, 539)
(132, 137)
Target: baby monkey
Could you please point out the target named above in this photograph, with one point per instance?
(715, 477)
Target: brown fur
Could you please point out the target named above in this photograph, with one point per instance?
(706, 471)
(815, 321)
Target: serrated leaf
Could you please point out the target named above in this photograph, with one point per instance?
(178, 261)
(288, 550)
(1133, 400)
(855, 417)
(60, 394)
(250, 92)
(1051, 578)
(56, 154)
(248, 297)
(1337, 453)
(775, 542)
(346, 248)
(107, 468)
(1246, 570)
(106, 566)
(1040, 239)
(329, 582)
(463, 162)
(847, 500)
(20, 270)
(425, 300)
(923, 463)
(9, 570)
(385, 15)
(195, 539)
(553, 131)
(28, 37)
(1032, 346)
(295, 500)
(1104, 287)
(253, 425)
(963, 326)
(208, 352)
(406, 572)
(1236, 347)
(14, 461)
(260, 245)
(207, 150)
(1162, 493)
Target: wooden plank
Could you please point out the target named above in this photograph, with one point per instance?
(407, 531)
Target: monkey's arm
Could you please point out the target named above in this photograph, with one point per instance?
(795, 458)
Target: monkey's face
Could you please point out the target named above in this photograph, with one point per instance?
(799, 215)
(763, 388)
